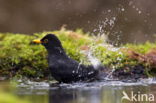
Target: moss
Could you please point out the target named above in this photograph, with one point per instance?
(19, 57)
(141, 48)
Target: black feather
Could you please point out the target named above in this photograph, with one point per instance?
(63, 68)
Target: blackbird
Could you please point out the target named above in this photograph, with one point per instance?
(62, 67)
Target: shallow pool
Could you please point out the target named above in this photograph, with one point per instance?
(143, 91)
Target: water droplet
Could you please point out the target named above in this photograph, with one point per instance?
(122, 9)
(109, 10)
(130, 3)
(88, 22)
(139, 12)
(90, 73)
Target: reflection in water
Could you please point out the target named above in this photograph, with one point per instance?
(75, 96)
(105, 94)
(95, 92)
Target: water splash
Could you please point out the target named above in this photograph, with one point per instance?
(78, 67)
(138, 10)
(98, 84)
(110, 75)
(94, 61)
(32, 85)
(102, 25)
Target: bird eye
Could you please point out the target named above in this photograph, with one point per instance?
(46, 41)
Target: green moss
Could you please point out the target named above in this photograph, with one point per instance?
(141, 48)
(19, 57)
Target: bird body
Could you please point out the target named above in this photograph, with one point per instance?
(63, 68)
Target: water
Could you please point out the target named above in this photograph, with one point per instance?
(94, 92)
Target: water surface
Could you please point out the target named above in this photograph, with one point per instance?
(94, 92)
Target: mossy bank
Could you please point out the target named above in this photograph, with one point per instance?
(20, 58)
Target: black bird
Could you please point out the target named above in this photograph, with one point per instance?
(63, 68)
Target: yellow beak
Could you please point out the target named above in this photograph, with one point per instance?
(37, 41)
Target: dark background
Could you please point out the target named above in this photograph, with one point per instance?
(124, 20)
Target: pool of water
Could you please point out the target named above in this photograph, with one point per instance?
(94, 92)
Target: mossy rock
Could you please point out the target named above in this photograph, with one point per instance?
(18, 56)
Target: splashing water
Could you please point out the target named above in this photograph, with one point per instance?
(102, 25)
(109, 76)
(94, 61)
(96, 84)
(106, 74)
(131, 4)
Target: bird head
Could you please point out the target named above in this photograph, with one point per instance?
(50, 42)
